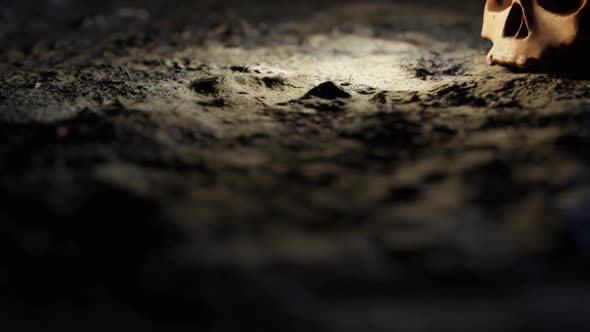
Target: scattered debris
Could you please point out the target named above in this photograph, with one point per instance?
(435, 68)
(379, 98)
(365, 90)
(260, 69)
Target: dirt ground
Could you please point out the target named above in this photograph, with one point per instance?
(286, 166)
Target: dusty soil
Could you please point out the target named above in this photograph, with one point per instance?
(182, 166)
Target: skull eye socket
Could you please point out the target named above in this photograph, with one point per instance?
(561, 7)
(498, 5)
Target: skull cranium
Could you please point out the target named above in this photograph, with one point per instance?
(523, 31)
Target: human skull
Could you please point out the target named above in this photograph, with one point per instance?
(524, 31)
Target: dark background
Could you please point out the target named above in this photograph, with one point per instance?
(37, 18)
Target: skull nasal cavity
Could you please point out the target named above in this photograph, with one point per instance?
(516, 24)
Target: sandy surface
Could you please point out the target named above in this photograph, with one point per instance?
(287, 167)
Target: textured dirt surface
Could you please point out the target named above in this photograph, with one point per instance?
(187, 166)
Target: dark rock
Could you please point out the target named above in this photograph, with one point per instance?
(206, 86)
(239, 69)
(273, 82)
(327, 90)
